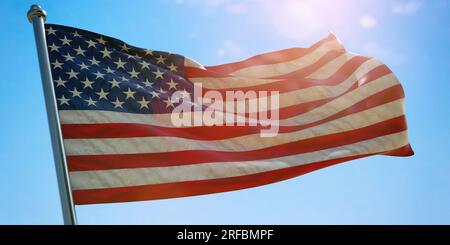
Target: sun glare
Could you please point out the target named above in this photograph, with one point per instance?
(298, 19)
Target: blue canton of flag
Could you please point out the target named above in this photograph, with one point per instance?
(96, 72)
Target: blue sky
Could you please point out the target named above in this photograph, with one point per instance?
(411, 36)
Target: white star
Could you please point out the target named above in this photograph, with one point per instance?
(51, 31)
(102, 94)
(90, 101)
(60, 82)
(117, 103)
(106, 53)
(100, 40)
(53, 47)
(87, 83)
(84, 66)
(94, 61)
(75, 34)
(65, 40)
(63, 100)
(125, 79)
(133, 73)
(130, 56)
(68, 57)
(185, 94)
(129, 94)
(57, 64)
(120, 64)
(114, 83)
(80, 51)
(149, 52)
(154, 94)
(144, 64)
(162, 91)
(169, 103)
(109, 70)
(172, 67)
(99, 75)
(143, 103)
(124, 47)
(172, 84)
(72, 74)
(75, 93)
(91, 43)
(160, 59)
(147, 83)
(158, 74)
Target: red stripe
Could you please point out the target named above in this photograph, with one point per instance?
(200, 187)
(130, 130)
(194, 72)
(269, 58)
(117, 161)
(402, 152)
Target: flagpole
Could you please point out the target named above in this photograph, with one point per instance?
(36, 15)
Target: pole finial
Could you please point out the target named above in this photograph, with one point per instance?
(36, 10)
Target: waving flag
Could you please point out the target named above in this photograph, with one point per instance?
(115, 105)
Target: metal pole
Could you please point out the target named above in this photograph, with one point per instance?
(37, 16)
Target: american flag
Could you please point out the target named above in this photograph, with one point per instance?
(114, 103)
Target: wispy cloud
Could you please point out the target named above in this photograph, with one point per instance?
(229, 49)
(409, 7)
(368, 21)
(298, 20)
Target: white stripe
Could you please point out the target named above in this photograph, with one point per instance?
(237, 144)
(99, 179)
(331, 67)
(319, 113)
(192, 63)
